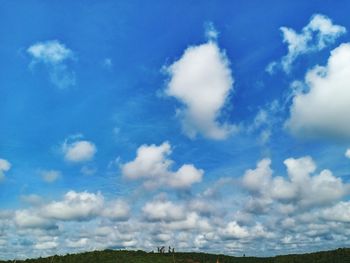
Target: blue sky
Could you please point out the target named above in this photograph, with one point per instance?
(211, 126)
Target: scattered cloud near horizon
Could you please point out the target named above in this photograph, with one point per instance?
(277, 210)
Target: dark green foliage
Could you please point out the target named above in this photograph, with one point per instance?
(341, 255)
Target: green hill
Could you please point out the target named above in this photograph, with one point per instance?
(341, 255)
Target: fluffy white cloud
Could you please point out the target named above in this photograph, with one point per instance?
(75, 206)
(339, 212)
(301, 187)
(50, 176)
(319, 33)
(76, 150)
(201, 80)
(51, 52)
(192, 221)
(30, 219)
(260, 178)
(4, 167)
(178, 224)
(117, 210)
(150, 161)
(152, 165)
(163, 210)
(234, 231)
(54, 55)
(322, 110)
(185, 176)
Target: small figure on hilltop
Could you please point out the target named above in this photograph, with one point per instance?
(169, 249)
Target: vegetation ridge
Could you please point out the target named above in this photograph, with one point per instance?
(341, 255)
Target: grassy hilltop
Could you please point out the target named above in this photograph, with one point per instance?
(108, 256)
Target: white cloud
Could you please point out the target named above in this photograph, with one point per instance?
(47, 245)
(150, 161)
(30, 219)
(323, 110)
(177, 223)
(117, 210)
(319, 33)
(54, 55)
(260, 178)
(185, 176)
(234, 231)
(75, 206)
(163, 210)
(50, 176)
(76, 150)
(339, 212)
(51, 52)
(152, 165)
(347, 153)
(81, 243)
(202, 81)
(4, 167)
(301, 187)
(192, 221)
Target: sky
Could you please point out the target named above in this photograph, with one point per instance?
(216, 126)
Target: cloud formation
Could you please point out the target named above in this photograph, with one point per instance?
(4, 167)
(50, 176)
(271, 213)
(152, 165)
(163, 210)
(54, 56)
(319, 33)
(302, 188)
(322, 110)
(201, 80)
(77, 150)
(75, 206)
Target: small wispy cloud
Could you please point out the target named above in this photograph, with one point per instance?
(50, 176)
(319, 33)
(4, 167)
(54, 56)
